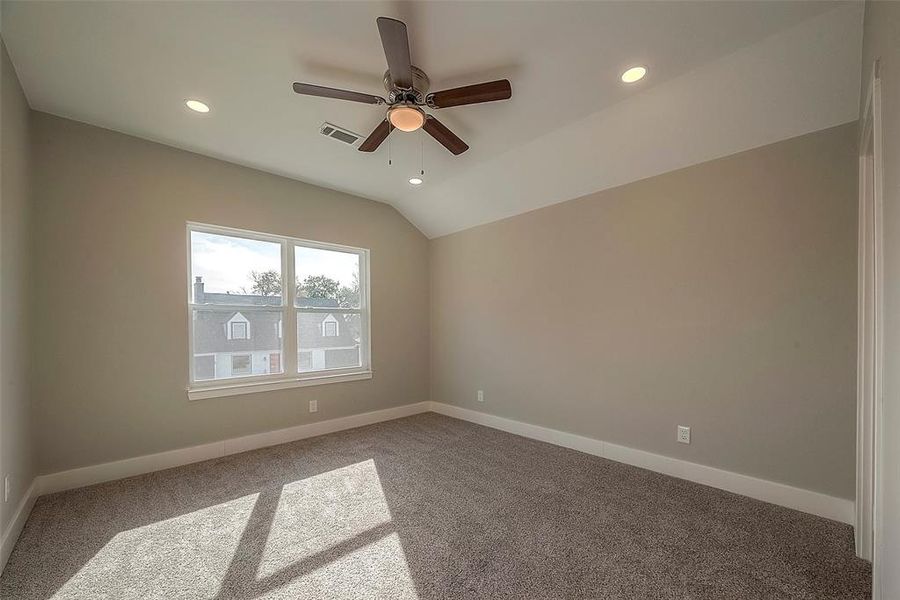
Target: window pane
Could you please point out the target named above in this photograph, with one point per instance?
(234, 270)
(326, 278)
(230, 343)
(327, 341)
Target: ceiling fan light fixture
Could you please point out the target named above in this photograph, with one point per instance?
(407, 88)
(415, 180)
(406, 118)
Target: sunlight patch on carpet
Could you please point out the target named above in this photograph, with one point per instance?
(190, 551)
(376, 570)
(322, 512)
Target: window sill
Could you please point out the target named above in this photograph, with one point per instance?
(234, 389)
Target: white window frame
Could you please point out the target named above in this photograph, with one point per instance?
(291, 376)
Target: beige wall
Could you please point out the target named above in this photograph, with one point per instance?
(16, 444)
(111, 329)
(881, 39)
(711, 296)
(720, 296)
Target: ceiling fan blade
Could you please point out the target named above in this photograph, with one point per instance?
(471, 94)
(396, 50)
(376, 137)
(447, 138)
(309, 89)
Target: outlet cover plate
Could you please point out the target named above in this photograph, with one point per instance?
(684, 434)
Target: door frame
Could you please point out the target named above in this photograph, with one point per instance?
(870, 359)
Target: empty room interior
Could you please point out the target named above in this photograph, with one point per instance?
(489, 299)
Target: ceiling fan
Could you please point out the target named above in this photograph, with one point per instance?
(407, 88)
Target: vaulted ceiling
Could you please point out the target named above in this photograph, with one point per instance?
(723, 77)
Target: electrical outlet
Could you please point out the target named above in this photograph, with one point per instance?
(480, 396)
(6, 489)
(313, 406)
(684, 434)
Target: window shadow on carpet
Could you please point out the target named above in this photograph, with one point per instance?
(339, 550)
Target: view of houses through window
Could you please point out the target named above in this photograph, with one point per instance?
(239, 312)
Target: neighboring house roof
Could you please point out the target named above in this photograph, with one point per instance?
(211, 331)
(310, 326)
(211, 323)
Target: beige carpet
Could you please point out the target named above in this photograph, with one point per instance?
(424, 507)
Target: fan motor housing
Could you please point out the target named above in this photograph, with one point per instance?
(421, 84)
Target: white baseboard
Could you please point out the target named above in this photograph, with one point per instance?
(75, 478)
(282, 436)
(815, 503)
(830, 507)
(11, 535)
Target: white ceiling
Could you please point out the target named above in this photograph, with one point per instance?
(723, 77)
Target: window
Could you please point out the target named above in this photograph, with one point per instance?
(239, 331)
(329, 327)
(240, 304)
(241, 364)
(238, 328)
(205, 366)
(329, 309)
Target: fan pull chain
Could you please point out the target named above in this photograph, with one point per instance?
(390, 144)
(422, 155)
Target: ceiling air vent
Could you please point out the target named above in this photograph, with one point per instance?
(340, 134)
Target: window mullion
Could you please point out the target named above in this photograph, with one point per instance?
(289, 316)
(236, 307)
(366, 311)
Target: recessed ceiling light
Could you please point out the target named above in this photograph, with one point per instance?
(634, 74)
(197, 106)
(415, 180)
